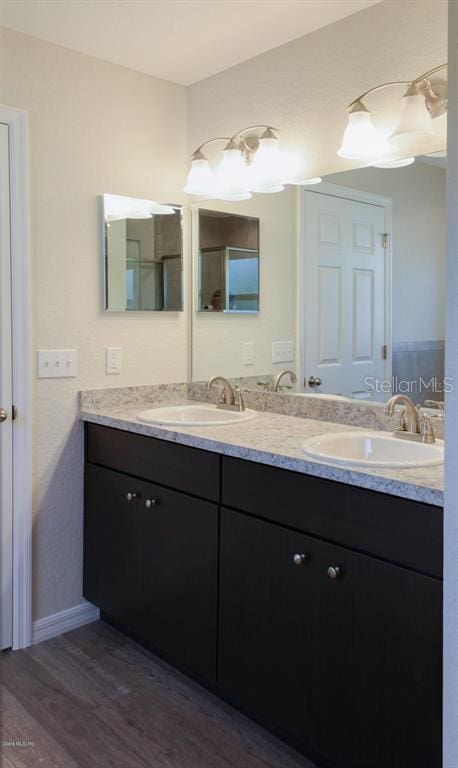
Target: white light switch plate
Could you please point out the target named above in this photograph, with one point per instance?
(113, 359)
(282, 352)
(56, 363)
(248, 353)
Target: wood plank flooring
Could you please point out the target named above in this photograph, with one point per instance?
(92, 698)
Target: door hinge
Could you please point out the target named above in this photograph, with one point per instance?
(384, 352)
(385, 236)
(13, 412)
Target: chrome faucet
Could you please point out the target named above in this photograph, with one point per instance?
(231, 398)
(411, 424)
(277, 386)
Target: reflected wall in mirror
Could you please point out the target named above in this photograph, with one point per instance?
(228, 262)
(354, 277)
(240, 343)
(143, 255)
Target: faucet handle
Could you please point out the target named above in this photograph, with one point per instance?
(238, 400)
(400, 423)
(427, 429)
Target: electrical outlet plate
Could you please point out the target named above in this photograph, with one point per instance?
(113, 360)
(248, 353)
(56, 363)
(282, 352)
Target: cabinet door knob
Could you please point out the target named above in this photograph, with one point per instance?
(151, 503)
(131, 495)
(299, 559)
(334, 572)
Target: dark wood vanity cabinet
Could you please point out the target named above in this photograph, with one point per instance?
(339, 650)
(150, 565)
(313, 606)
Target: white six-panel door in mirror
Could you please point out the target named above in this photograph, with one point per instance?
(345, 301)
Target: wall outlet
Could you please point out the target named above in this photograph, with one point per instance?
(248, 353)
(113, 359)
(282, 352)
(56, 363)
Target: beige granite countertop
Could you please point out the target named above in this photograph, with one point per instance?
(274, 439)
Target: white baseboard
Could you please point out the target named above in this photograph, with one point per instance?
(58, 623)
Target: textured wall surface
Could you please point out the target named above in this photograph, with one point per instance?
(94, 128)
(451, 425)
(303, 87)
(217, 338)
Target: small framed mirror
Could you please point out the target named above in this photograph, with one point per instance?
(143, 254)
(228, 262)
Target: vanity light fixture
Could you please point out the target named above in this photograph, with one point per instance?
(423, 102)
(249, 163)
(402, 163)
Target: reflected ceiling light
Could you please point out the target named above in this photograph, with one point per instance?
(361, 140)
(423, 102)
(249, 163)
(394, 163)
(118, 207)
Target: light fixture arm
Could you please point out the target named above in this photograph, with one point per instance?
(198, 154)
(424, 76)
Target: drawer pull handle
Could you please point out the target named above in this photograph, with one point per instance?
(299, 559)
(151, 503)
(334, 572)
(131, 495)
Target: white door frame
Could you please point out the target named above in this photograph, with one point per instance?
(360, 196)
(16, 120)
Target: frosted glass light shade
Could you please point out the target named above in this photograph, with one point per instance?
(306, 182)
(267, 170)
(414, 125)
(361, 140)
(232, 181)
(394, 163)
(201, 179)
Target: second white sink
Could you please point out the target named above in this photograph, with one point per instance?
(201, 415)
(373, 449)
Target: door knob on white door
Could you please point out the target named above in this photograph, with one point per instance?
(3, 415)
(314, 381)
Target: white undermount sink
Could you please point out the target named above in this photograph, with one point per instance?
(202, 415)
(373, 449)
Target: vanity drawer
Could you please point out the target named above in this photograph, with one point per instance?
(399, 530)
(186, 469)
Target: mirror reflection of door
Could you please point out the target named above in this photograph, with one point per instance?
(228, 262)
(346, 296)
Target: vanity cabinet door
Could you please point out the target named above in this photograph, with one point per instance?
(179, 579)
(348, 668)
(266, 630)
(112, 545)
(378, 672)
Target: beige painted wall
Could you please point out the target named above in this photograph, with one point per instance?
(94, 128)
(418, 256)
(303, 87)
(218, 338)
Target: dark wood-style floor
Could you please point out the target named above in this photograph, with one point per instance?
(92, 698)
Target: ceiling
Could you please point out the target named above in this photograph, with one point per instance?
(179, 40)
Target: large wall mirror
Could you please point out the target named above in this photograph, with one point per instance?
(143, 255)
(228, 262)
(352, 289)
